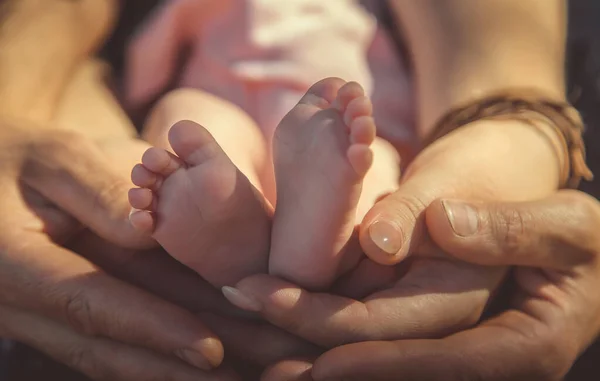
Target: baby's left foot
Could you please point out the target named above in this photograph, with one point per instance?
(322, 153)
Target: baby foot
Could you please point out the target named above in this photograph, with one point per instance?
(322, 153)
(201, 208)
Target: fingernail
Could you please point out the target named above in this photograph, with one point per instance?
(240, 300)
(131, 220)
(194, 358)
(462, 217)
(131, 213)
(386, 236)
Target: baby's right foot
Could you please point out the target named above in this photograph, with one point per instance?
(322, 154)
(201, 208)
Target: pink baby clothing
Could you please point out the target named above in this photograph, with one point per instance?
(262, 55)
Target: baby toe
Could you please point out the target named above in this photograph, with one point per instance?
(142, 220)
(346, 94)
(144, 178)
(360, 106)
(360, 157)
(141, 198)
(159, 161)
(323, 93)
(362, 130)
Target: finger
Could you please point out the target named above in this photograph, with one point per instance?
(97, 358)
(57, 224)
(154, 271)
(465, 164)
(239, 338)
(424, 303)
(72, 172)
(289, 370)
(366, 278)
(557, 232)
(395, 225)
(300, 312)
(61, 285)
(513, 346)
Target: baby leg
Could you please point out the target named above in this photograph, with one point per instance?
(231, 127)
(202, 203)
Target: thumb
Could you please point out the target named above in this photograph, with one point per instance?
(73, 173)
(395, 226)
(485, 160)
(558, 232)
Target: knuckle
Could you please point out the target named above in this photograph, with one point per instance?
(290, 322)
(585, 208)
(61, 143)
(508, 228)
(558, 354)
(110, 195)
(84, 360)
(78, 313)
(52, 153)
(581, 239)
(69, 138)
(411, 204)
(402, 209)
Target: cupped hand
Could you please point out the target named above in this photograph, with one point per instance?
(432, 295)
(60, 303)
(156, 271)
(553, 315)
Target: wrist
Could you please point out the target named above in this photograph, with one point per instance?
(463, 49)
(534, 109)
(512, 148)
(463, 78)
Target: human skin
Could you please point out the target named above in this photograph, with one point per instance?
(460, 51)
(552, 315)
(443, 184)
(491, 160)
(54, 179)
(36, 33)
(79, 150)
(497, 164)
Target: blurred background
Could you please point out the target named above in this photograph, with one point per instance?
(23, 364)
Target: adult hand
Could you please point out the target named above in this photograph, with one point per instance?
(157, 272)
(60, 303)
(435, 295)
(553, 316)
(489, 160)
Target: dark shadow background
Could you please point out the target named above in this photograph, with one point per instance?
(584, 88)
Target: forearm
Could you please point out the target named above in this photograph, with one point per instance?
(41, 44)
(467, 48)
